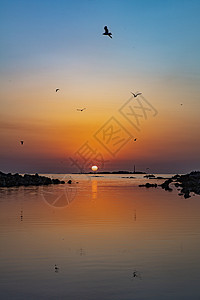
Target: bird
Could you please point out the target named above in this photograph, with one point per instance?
(57, 90)
(80, 109)
(22, 142)
(107, 32)
(135, 95)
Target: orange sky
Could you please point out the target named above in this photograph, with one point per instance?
(99, 73)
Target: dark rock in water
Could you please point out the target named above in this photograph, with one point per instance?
(9, 180)
(185, 184)
(175, 176)
(187, 195)
(69, 181)
(148, 185)
(55, 181)
(149, 176)
(165, 185)
(188, 183)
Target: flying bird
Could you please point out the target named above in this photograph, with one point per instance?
(57, 90)
(107, 32)
(22, 142)
(80, 109)
(135, 95)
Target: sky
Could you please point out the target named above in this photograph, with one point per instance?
(155, 50)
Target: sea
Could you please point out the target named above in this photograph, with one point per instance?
(102, 237)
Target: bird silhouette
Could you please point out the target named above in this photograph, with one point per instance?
(135, 95)
(80, 109)
(22, 142)
(107, 32)
(57, 90)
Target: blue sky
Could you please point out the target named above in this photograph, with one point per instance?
(165, 29)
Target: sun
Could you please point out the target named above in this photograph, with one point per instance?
(94, 168)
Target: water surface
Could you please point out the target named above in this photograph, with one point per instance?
(99, 232)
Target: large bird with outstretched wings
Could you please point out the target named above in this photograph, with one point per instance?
(107, 32)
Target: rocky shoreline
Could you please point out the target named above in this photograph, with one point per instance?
(9, 180)
(186, 184)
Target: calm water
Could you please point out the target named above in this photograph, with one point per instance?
(99, 232)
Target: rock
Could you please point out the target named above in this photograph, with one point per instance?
(9, 180)
(69, 181)
(188, 183)
(148, 185)
(165, 185)
(149, 176)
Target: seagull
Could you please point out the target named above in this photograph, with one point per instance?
(57, 90)
(135, 95)
(107, 32)
(80, 109)
(22, 142)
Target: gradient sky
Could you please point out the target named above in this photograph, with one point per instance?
(59, 44)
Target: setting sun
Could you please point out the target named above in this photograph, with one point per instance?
(94, 168)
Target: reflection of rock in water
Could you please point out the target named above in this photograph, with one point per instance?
(60, 196)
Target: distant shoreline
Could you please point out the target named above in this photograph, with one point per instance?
(114, 172)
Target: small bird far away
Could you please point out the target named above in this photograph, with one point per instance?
(22, 142)
(107, 32)
(57, 90)
(135, 95)
(80, 109)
